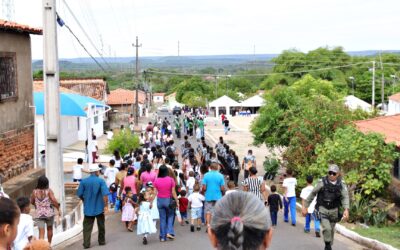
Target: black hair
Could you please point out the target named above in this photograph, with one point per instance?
(23, 202)
(183, 193)
(148, 167)
(289, 172)
(129, 162)
(124, 165)
(127, 189)
(273, 188)
(117, 155)
(9, 211)
(310, 179)
(80, 161)
(43, 182)
(166, 160)
(138, 158)
(162, 171)
(253, 170)
(141, 198)
(112, 162)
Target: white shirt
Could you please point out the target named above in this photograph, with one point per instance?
(196, 199)
(110, 173)
(190, 183)
(92, 146)
(305, 192)
(230, 191)
(290, 184)
(25, 230)
(77, 171)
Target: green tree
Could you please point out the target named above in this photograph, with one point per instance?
(124, 141)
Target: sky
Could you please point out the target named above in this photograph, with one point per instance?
(216, 27)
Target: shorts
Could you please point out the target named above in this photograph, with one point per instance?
(209, 207)
(44, 222)
(196, 213)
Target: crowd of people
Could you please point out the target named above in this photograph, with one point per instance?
(193, 184)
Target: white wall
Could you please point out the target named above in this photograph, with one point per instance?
(158, 99)
(96, 121)
(394, 107)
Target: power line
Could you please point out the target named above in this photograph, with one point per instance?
(62, 23)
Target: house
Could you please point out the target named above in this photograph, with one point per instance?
(16, 102)
(172, 102)
(389, 127)
(158, 97)
(354, 103)
(96, 88)
(394, 104)
(122, 103)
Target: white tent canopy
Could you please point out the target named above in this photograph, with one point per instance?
(354, 103)
(223, 102)
(254, 101)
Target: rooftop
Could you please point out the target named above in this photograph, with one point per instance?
(16, 27)
(388, 126)
(125, 96)
(395, 97)
(158, 94)
(37, 87)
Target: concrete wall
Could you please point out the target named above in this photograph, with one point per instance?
(17, 118)
(97, 126)
(393, 107)
(16, 114)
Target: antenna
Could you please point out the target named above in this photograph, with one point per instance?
(8, 10)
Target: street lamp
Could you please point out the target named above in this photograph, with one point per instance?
(352, 83)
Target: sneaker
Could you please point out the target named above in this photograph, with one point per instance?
(317, 234)
(144, 240)
(162, 240)
(306, 231)
(170, 236)
(293, 224)
(198, 228)
(191, 228)
(187, 222)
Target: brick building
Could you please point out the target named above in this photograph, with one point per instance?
(16, 112)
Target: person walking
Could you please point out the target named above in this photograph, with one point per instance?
(289, 199)
(129, 181)
(213, 188)
(226, 125)
(167, 202)
(305, 192)
(248, 161)
(275, 204)
(93, 191)
(254, 185)
(44, 200)
(331, 193)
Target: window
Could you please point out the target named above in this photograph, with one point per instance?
(8, 75)
(96, 119)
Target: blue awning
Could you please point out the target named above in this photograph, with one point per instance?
(70, 104)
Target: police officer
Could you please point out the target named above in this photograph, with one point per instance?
(331, 194)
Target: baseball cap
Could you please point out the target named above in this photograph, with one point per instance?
(333, 168)
(149, 184)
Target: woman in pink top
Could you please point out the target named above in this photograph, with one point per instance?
(165, 187)
(129, 181)
(148, 175)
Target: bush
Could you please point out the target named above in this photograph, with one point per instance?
(124, 142)
(271, 167)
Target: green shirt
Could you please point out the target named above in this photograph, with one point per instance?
(200, 123)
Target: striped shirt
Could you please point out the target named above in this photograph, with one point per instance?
(253, 185)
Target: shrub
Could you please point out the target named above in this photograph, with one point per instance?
(124, 141)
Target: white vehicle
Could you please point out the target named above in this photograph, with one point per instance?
(163, 108)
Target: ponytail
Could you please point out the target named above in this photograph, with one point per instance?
(235, 234)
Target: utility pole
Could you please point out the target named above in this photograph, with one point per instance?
(383, 83)
(373, 84)
(54, 162)
(137, 80)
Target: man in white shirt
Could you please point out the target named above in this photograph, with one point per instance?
(289, 200)
(25, 226)
(305, 192)
(109, 175)
(77, 171)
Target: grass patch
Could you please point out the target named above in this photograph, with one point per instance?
(389, 235)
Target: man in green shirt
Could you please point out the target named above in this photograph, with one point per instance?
(177, 123)
(200, 124)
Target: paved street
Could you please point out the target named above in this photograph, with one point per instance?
(285, 236)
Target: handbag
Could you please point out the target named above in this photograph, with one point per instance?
(172, 204)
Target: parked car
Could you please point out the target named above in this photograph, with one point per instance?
(177, 111)
(163, 108)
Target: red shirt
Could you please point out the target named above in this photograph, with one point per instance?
(183, 204)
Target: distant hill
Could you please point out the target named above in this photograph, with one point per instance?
(217, 61)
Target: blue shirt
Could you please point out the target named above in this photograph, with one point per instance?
(213, 181)
(92, 190)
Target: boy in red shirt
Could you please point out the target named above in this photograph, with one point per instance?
(183, 205)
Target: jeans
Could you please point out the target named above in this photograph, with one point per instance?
(274, 217)
(202, 131)
(203, 217)
(289, 205)
(226, 129)
(310, 217)
(166, 217)
(235, 173)
(112, 197)
(88, 222)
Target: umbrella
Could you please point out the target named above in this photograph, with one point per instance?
(71, 104)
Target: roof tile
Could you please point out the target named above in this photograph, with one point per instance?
(12, 26)
(388, 126)
(124, 96)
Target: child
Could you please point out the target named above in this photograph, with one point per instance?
(153, 198)
(190, 182)
(9, 220)
(305, 192)
(25, 226)
(145, 224)
(128, 211)
(231, 187)
(196, 205)
(183, 205)
(275, 203)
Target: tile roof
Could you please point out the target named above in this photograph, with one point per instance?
(37, 87)
(124, 96)
(16, 27)
(388, 126)
(92, 87)
(158, 94)
(395, 97)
